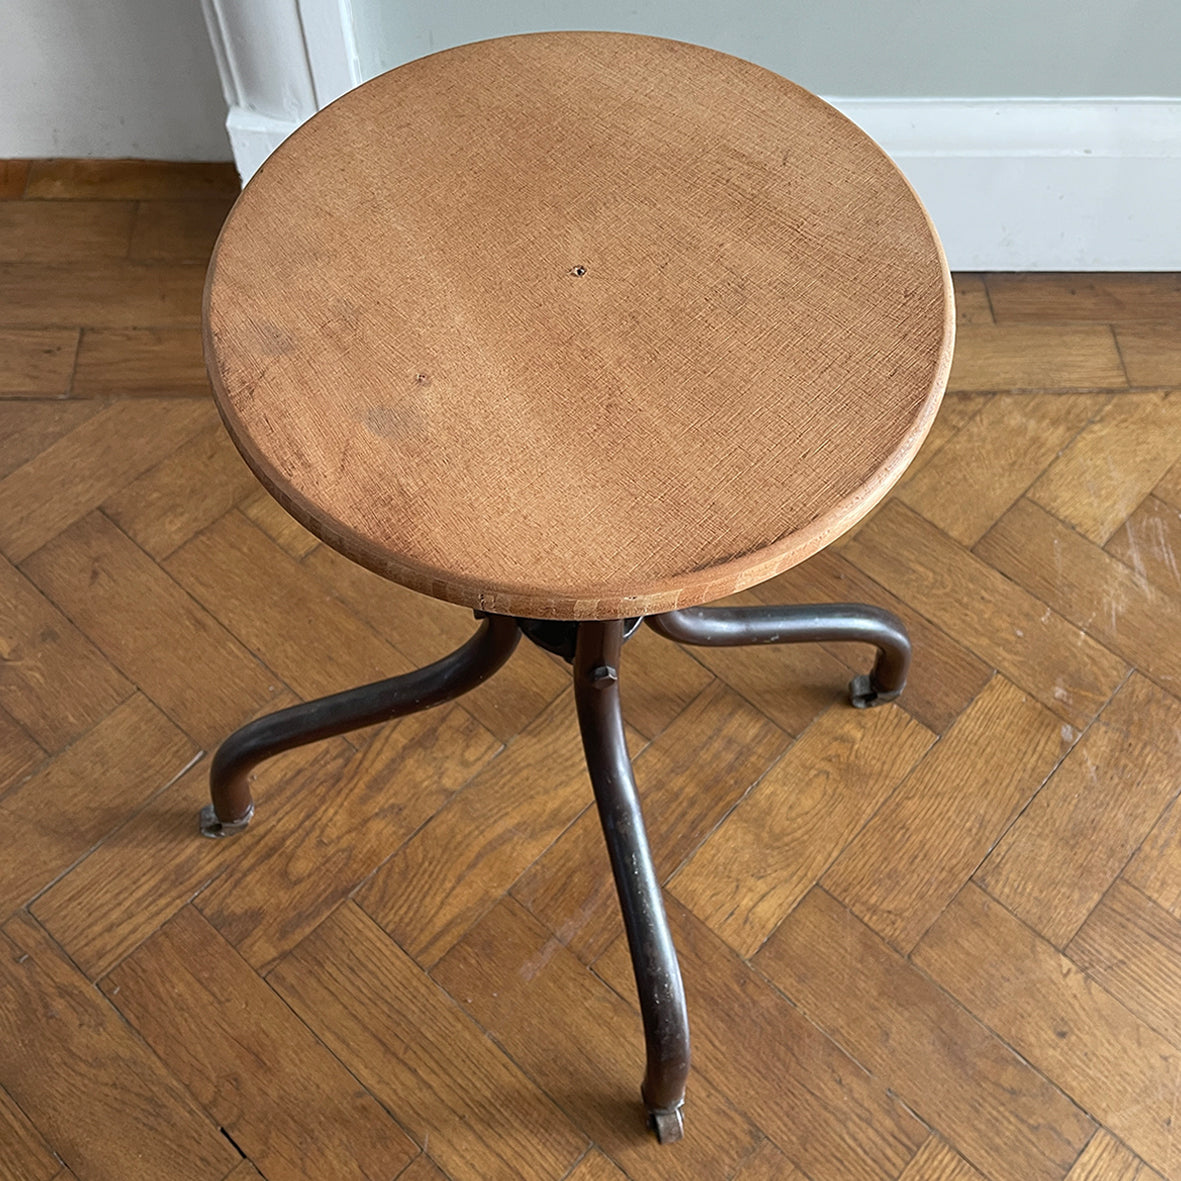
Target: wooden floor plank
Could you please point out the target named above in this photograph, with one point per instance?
(19, 754)
(183, 494)
(764, 856)
(578, 1041)
(69, 179)
(314, 856)
(36, 362)
(27, 428)
(1106, 1159)
(78, 1072)
(477, 845)
(177, 231)
(425, 630)
(688, 778)
(936, 1161)
(89, 464)
(1008, 356)
(1088, 587)
(1151, 352)
(14, 175)
(1150, 542)
(120, 362)
(834, 1120)
(1133, 948)
(1102, 298)
(1156, 867)
(76, 799)
(108, 294)
(250, 1062)
(25, 1156)
(279, 610)
(278, 524)
(1113, 463)
(1064, 851)
(44, 651)
(153, 632)
(906, 864)
(971, 298)
(113, 900)
(944, 677)
(84, 231)
(994, 459)
(958, 1077)
(1066, 1027)
(423, 1058)
(596, 1167)
(1059, 664)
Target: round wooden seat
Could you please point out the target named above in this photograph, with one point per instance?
(578, 325)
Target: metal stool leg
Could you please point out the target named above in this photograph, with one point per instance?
(463, 669)
(654, 959)
(719, 627)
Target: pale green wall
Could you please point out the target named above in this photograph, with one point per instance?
(903, 48)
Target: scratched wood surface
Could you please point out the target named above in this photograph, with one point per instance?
(940, 941)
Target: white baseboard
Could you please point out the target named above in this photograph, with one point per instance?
(1040, 184)
(253, 137)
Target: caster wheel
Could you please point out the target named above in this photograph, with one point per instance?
(862, 694)
(669, 1126)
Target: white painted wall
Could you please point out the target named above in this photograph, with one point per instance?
(109, 78)
(849, 48)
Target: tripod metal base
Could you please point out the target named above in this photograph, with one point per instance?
(594, 648)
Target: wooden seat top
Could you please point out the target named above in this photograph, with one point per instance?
(578, 325)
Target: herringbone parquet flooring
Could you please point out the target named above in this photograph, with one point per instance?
(937, 941)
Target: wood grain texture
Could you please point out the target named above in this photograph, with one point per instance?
(250, 1062)
(190, 489)
(370, 1004)
(835, 1120)
(26, 429)
(1132, 947)
(73, 1065)
(316, 855)
(944, 677)
(1106, 1159)
(1007, 356)
(1106, 298)
(720, 740)
(146, 362)
(1113, 464)
(36, 362)
(68, 179)
(767, 1163)
(14, 175)
(280, 611)
(614, 374)
(935, 1161)
(72, 802)
(473, 849)
(906, 864)
(81, 230)
(42, 653)
(985, 958)
(1151, 352)
(177, 231)
(1056, 862)
(576, 1037)
(25, 1156)
(1090, 588)
(19, 753)
(87, 465)
(764, 856)
(994, 459)
(425, 629)
(185, 660)
(1060, 665)
(1002, 1113)
(1150, 542)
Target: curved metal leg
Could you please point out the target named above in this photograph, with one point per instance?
(727, 626)
(463, 669)
(654, 959)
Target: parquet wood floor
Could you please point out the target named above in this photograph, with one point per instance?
(937, 941)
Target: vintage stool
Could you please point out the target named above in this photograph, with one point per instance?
(578, 329)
